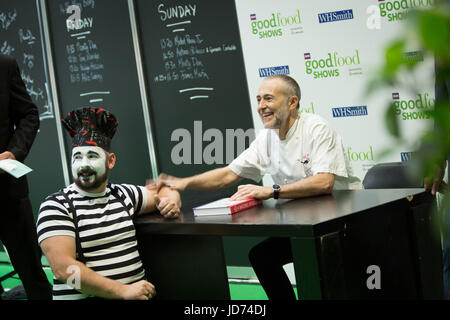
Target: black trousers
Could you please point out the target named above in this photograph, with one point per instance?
(267, 259)
(18, 234)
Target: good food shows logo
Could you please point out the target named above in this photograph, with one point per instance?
(331, 65)
(276, 24)
(360, 155)
(413, 109)
(398, 9)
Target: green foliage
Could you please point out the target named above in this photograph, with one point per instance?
(434, 27)
(429, 30)
(392, 121)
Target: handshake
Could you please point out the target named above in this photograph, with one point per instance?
(164, 180)
(212, 180)
(167, 200)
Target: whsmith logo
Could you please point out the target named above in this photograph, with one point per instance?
(276, 24)
(413, 56)
(271, 71)
(413, 109)
(396, 10)
(329, 66)
(349, 111)
(405, 156)
(335, 16)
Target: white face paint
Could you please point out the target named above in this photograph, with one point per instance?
(88, 163)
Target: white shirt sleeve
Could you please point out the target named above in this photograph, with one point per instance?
(328, 155)
(248, 164)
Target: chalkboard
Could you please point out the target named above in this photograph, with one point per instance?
(95, 66)
(21, 37)
(196, 81)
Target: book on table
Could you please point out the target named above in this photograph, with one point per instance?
(224, 206)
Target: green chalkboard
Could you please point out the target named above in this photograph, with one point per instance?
(199, 99)
(195, 75)
(95, 66)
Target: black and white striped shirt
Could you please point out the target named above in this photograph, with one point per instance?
(105, 228)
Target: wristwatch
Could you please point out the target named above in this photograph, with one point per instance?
(276, 191)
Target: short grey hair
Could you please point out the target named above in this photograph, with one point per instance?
(291, 86)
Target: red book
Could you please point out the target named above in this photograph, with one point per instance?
(224, 206)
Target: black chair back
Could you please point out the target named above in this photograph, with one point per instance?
(390, 175)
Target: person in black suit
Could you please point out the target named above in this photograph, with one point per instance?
(19, 123)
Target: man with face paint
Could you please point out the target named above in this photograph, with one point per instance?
(301, 153)
(89, 167)
(86, 230)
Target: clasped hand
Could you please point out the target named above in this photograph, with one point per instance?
(169, 208)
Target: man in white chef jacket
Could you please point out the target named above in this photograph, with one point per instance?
(301, 153)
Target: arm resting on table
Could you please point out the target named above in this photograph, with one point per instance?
(60, 252)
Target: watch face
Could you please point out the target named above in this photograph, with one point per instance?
(276, 191)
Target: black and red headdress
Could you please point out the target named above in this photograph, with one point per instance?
(91, 127)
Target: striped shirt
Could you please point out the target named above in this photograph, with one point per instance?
(105, 229)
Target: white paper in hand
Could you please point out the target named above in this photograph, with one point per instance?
(14, 168)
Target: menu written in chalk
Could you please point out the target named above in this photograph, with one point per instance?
(21, 37)
(95, 67)
(196, 78)
(84, 58)
(181, 51)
